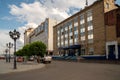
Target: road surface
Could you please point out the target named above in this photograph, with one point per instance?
(63, 70)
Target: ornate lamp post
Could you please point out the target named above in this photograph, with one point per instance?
(14, 35)
(9, 45)
(6, 51)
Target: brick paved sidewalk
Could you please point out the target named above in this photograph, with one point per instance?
(21, 66)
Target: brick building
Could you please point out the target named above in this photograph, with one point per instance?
(94, 30)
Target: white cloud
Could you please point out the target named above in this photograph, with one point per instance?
(39, 10)
(5, 38)
(23, 28)
(7, 18)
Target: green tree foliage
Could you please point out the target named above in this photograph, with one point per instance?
(36, 48)
(26, 50)
(19, 53)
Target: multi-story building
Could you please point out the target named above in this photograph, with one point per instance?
(44, 33)
(26, 35)
(87, 33)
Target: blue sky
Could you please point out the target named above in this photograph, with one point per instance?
(7, 20)
(22, 14)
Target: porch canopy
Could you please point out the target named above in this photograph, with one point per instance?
(70, 47)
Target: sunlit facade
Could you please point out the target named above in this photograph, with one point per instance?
(44, 33)
(85, 32)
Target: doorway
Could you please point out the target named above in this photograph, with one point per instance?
(112, 50)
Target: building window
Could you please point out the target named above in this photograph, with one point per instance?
(89, 23)
(61, 30)
(71, 30)
(82, 30)
(90, 28)
(66, 30)
(82, 38)
(71, 37)
(89, 15)
(75, 28)
(76, 19)
(83, 51)
(75, 24)
(82, 34)
(82, 20)
(107, 5)
(66, 43)
(62, 33)
(89, 18)
(58, 33)
(58, 44)
(90, 36)
(90, 41)
(90, 32)
(82, 26)
(66, 35)
(76, 36)
(76, 32)
(58, 38)
(42, 28)
(62, 44)
(36, 31)
(71, 41)
(46, 26)
(91, 51)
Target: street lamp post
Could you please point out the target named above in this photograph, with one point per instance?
(9, 45)
(14, 35)
(6, 57)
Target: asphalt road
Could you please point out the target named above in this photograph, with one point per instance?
(62, 70)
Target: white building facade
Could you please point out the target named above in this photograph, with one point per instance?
(44, 33)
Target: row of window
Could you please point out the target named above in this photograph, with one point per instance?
(82, 29)
(42, 27)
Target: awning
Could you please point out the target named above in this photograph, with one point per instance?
(70, 47)
(75, 47)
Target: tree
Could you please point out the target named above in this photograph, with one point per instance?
(19, 53)
(38, 48)
(26, 50)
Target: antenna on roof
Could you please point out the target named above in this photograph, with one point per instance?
(86, 2)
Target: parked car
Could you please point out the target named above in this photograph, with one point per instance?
(31, 58)
(2, 57)
(46, 59)
(20, 59)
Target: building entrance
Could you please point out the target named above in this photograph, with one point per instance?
(112, 50)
